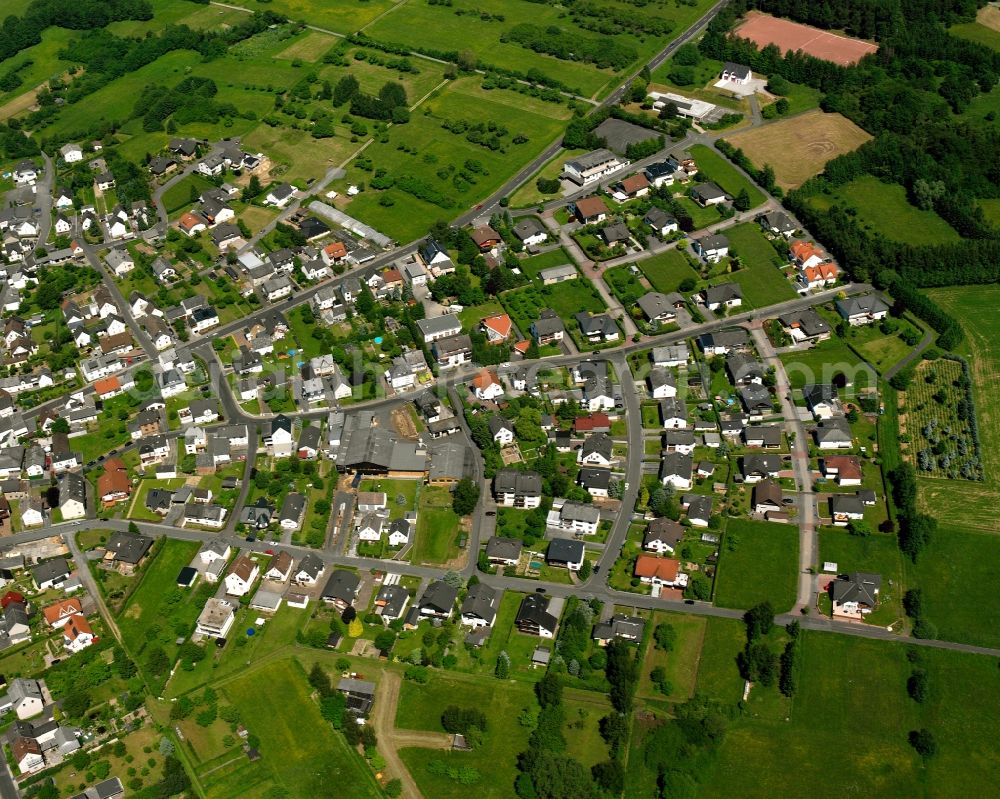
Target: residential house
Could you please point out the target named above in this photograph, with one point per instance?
(548, 328)
(777, 223)
(591, 210)
(216, 619)
(502, 551)
(662, 223)
(659, 308)
(438, 600)
(486, 238)
(597, 328)
(533, 617)
(497, 328)
(706, 194)
(862, 310)
(662, 536)
(736, 73)
(452, 351)
(341, 589)
(279, 195)
(487, 386)
(390, 602)
(855, 595)
(292, 511)
(558, 274)
(755, 468)
(242, 575)
(712, 249)
(596, 481)
(309, 570)
(479, 608)
(591, 167)
(676, 470)
(280, 567)
(659, 572)
(514, 488)
(439, 327)
(566, 553)
(50, 573)
(834, 433)
(662, 383)
(844, 469)
(673, 413)
(530, 232)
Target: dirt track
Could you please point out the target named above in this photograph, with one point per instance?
(391, 740)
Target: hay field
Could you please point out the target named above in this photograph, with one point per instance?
(799, 147)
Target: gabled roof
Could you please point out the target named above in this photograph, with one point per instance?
(664, 569)
(439, 597)
(499, 323)
(591, 206)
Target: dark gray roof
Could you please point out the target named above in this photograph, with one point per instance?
(129, 547)
(481, 602)
(707, 191)
(506, 548)
(600, 443)
(755, 397)
(439, 597)
(394, 599)
(292, 507)
(50, 570)
(528, 227)
(311, 564)
(534, 612)
(564, 550)
(858, 587)
(514, 481)
(724, 291)
(342, 585)
(592, 477)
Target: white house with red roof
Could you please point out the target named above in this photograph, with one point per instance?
(487, 386)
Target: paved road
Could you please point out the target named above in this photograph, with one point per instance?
(799, 443)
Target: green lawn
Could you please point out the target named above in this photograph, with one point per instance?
(955, 574)
(718, 170)
(184, 194)
(277, 705)
(884, 210)
(45, 62)
(762, 566)
(158, 612)
(534, 264)
(820, 364)
(437, 527)
(666, 271)
(978, 33)
(761, 278)
(718, 676)
(528, 195)
(401, 495)
(420, 708)
(991, 209)
(760, 754)
(680, 664)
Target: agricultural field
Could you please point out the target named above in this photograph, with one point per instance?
(759, 753)
(884, 210)
(717, 169)
(758, 561)
(666, 272)
(799, 148)
(341, 17)
(448, 168)
(939, 422)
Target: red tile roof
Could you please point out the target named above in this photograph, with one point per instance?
(664, 569)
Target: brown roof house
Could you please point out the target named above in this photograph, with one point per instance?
(114, 485)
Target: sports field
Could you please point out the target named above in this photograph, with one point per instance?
(799, 148)
(763, 29)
